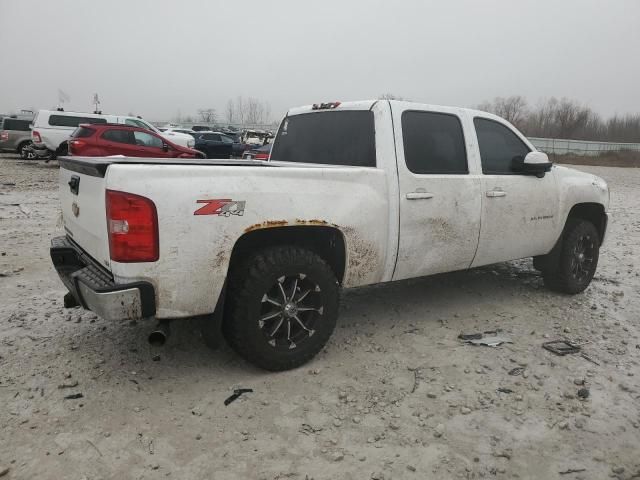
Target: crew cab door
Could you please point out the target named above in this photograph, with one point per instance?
(439, 191)
(519, 211)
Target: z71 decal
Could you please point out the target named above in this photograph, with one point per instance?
(221, 206)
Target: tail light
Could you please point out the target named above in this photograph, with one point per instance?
(35, 136)
(132, 223)
(261, 156)
(75, 144)
(4, 136)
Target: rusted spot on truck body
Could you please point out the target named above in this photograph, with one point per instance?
(311, 222)
(282, 223)
(363, 259)
(266, 224)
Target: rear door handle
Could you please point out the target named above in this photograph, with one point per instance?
(496, 193)
(419, 196)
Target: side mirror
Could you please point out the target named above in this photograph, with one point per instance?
(165, 147)
(534, 163)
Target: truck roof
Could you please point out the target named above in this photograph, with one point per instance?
(368, 104)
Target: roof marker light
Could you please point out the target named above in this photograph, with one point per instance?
(325, 106)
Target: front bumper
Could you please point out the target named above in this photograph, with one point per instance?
(94, 288)
(40, 150)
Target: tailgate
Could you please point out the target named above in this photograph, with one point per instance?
(82, 198)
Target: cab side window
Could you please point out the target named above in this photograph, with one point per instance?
(146, 140)
(498, 147)
(433, 143)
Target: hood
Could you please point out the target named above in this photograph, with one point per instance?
(582, 187)
(182, 139)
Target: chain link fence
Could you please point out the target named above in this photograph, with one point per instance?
(557, 146)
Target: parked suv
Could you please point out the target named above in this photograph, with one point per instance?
(51, 130)
(15, 136)
(103, 140)
(214, 144)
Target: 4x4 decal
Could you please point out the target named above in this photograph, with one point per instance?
(221, 206)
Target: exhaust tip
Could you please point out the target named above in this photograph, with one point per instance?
(159, 336)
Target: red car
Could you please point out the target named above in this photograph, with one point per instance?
(104, 139)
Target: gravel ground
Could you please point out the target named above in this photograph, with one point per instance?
(395, 394)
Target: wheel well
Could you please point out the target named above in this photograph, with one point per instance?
(592, 212)
(327, 242)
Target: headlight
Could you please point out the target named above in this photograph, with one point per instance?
(191, 143)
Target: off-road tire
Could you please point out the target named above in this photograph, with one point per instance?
(251, 282)
(565, 275)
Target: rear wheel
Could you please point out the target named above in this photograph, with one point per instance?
(25, 151)
(577, 259)
(283, 306)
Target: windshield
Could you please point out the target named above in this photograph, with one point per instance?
(138, 122)
(331, 138)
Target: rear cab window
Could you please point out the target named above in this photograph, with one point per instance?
(329, 138)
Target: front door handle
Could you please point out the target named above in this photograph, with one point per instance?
(496, 193)
(419, 196)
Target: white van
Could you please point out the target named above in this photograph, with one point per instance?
(52, 128)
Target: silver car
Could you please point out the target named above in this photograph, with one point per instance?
(15, 136)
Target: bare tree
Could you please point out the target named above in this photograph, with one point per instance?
(239, 109)
(207, 115)
(513, 109)
(250, 111)
(254, 111)
(230, 112)
(564, 118)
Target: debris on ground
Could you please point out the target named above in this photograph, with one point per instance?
(572, 470)
(309, 429)
(516, 371)
(68, 384)
(583, 393)
(587, 357)
(74, 396)
(504, 390)
(236, 394)
(489, 338)
(561, 347)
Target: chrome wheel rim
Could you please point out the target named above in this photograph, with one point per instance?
(290, 312)
(582, 258)
(27, 154)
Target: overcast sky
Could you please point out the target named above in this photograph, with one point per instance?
(155, 58)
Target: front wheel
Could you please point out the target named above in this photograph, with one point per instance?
(577, 261)
(283, 306)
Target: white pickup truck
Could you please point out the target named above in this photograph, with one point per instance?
(354, 194)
